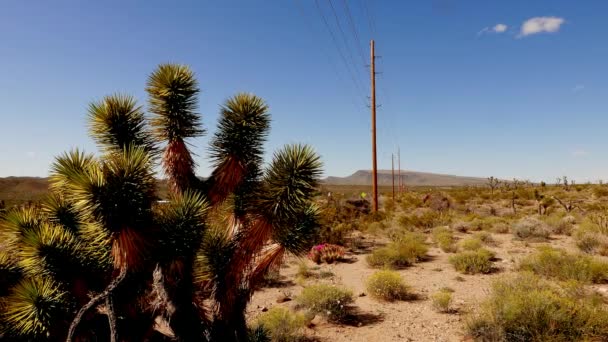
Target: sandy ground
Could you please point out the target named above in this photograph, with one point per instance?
(414, 320)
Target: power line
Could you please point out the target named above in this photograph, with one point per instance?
(335, 13)
(354, 29)
(335, 40)
(327, 55)
(370, 19)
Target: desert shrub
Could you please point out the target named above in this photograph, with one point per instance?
(471, 244)
(335, 233)
(529, 228)
(303, 270)
(461, 226)
(442, 300)
(410, 200)
(326, 252)
(592, 236)
(500, 227)
(282, 324)
(444, 238)
(473, 262)
(426, 220)
(374, 228)
(328, 300)
(559, 264)
(558, 224)
(387, 285)
(528, 308)
(485, 238)
(599, 191)
(408, 249)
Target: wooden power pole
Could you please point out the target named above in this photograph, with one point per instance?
(399, 162)
(393, 173)
(374, 164)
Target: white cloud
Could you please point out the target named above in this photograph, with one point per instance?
(498, 28)
(540, 24)
(577, 88)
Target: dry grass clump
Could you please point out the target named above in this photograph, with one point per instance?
(387, 285)
(425, 220)
(559, 264)
(406, 250)
(473, 262)
(471, 244)
(444, 238)
(327, 300)
(592, 237)
(442, 300)
(528, 308)
(532, 229)
(560, 225)
(282, 324)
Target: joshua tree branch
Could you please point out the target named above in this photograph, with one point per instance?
(94, 301)
(111, 318)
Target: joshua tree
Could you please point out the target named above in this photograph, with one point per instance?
(493, 183)
(104, 260)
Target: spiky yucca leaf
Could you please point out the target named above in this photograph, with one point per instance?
(68, 165)
(118, 196)
(182, 225)
(18, 222)
(296, 233)
(213, 259)
(119, 192)
(237, 147)
(35, 309)
(173, 90)
(290, 181)
(60, 211)
(10, 273)
(117, 121)
(53, 251)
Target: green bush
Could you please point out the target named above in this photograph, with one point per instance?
(559, 264)
(473, 262)
(442, 300)
(531, 229)
(528, 308)
(408, 249)
(387, 285)
(444, 238)
(592, 238)
(558, 224)
(330, 301)
(281, 324)
(471, 244)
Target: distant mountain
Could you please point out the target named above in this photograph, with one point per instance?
(411, 178)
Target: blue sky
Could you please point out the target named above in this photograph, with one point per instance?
(477, 88)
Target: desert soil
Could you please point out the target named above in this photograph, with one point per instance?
(413, 320)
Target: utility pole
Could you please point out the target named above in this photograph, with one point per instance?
(399, 161)
(393, 173)
(374, 164)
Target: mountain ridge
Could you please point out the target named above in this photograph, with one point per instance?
(410, 178)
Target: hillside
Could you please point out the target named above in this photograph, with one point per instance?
(22, 189)
(16, 190)
(410, 178)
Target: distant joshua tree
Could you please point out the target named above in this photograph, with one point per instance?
(493, 183)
